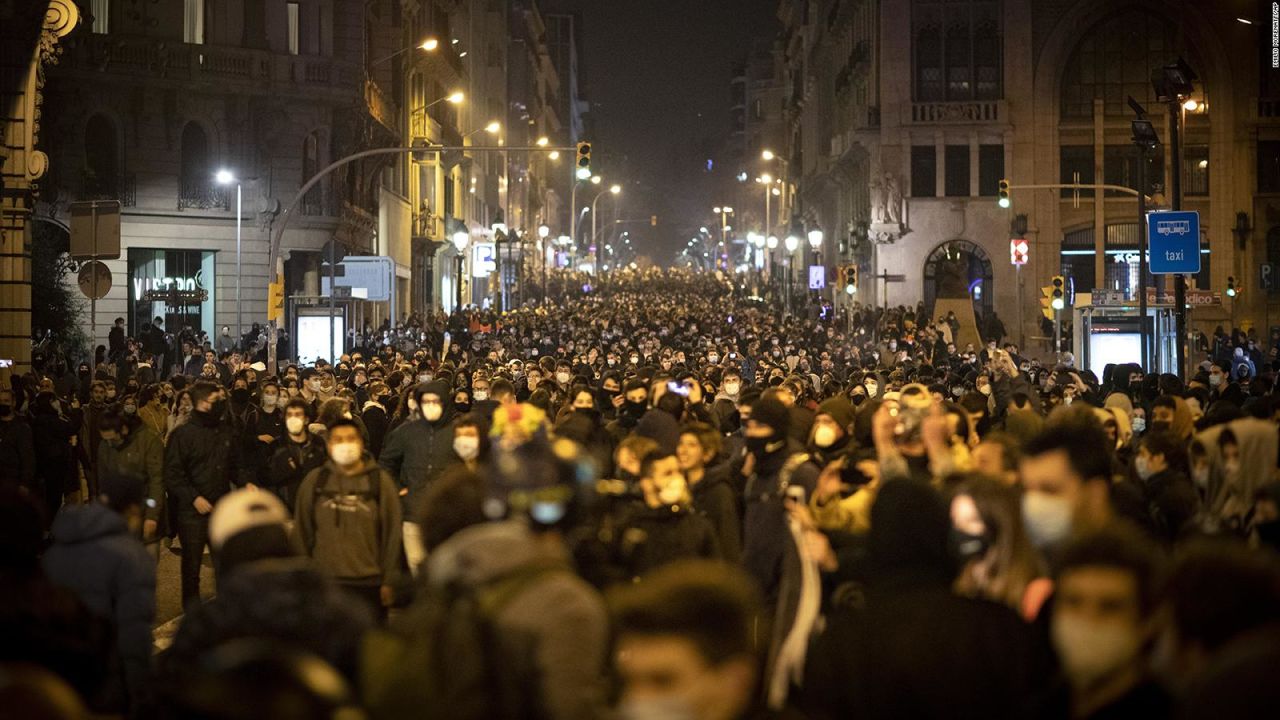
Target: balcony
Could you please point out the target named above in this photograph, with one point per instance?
(427, 227)
(231, 68)
(119, 187)
(201, 194)
(318, 202)
(957, 113)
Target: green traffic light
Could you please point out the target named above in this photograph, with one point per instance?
(1004, 202)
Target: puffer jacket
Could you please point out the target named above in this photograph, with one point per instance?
(95, 556)
(416, 453)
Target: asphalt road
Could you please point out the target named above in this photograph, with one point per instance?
(169, 593)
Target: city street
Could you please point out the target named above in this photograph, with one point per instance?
(584, 360)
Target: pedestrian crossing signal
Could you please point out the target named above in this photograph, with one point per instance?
(1004, 201)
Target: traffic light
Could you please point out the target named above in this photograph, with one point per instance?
(275, 299)
(653, 221)
(849, 278)
(1003, 200)
(1231, 286)
(584, 156)
(1058, 292)
(1046, 301)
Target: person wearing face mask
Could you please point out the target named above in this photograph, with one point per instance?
(131, 451)
(348, 521)
(200, 465)
(416, 452)
(1161, 500)
(311, 390)
(671, 529)
(713, 497)
(725, 404)
(829, 437)
(1066, 475)
(771, 464)
(470, 442)
(1102, 625)
(294, 454)
(376, 414)
(634, 405)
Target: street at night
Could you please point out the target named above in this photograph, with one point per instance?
(639, 359)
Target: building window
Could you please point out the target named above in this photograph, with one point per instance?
(101, 160)
(294, 20)
(1114, 61)
(101, 12)
(1076, 163)
(196, 188)
(193, 22)
(1196, 160)
(1120, 167)
(1269, 166)
(957, 171)
(924, 168)
(990, 169)
(958, 48)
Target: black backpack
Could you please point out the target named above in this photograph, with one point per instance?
(442, 659)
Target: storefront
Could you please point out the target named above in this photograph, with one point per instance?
(1122, 265)
(177, 285)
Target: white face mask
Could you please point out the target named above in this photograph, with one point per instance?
(871, 389)
(482, 395)
(313, 385)
(432, 411)
(1142, 467)
(295, 425)
(824, 436)
(562, 378)
(1090, 650)
(269, 402)
(424, 377)
(672, 492)
(345, 453)
(1139, 424)
(731, 388)
(1048, 518)
(467, 447)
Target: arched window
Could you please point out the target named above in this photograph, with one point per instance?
(1114, 61)
(957, 49)
(101, 159)
(196, 188)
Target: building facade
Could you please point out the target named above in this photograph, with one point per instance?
(904, 116)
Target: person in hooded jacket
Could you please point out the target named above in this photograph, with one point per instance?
(419, 450)
(97, 555)
(296, 453)
(665, 515)
(772, 464)
(348, 519)
(913, 648)
(713, 497)
(131, 452)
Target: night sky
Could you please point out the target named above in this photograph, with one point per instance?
(656, 73)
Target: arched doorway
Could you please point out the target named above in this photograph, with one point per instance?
(958, 269)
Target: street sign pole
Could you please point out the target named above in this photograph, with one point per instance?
(1179, 280)
(1017, 275)
(1142, 255)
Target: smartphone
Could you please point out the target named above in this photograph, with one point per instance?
(678, 388)
(6, 362)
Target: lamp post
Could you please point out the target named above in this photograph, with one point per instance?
(461, 239)
(791, 243)
(225, 177)
(429, 45)
(1145, 138)
(724, 212)
(544, 231)
(815, 246)
(1174, 84)
(614, 189)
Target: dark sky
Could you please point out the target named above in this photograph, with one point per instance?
(657, 77)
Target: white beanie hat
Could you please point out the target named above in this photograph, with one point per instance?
(242, 510)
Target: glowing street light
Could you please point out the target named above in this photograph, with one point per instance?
(430, 44)
(767, 155)
(543, 141)
(583, 173)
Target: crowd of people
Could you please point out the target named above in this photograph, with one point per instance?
(656, 499)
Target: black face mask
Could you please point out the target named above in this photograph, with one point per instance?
(965, 546)
(462, 408)
(1161, 426)
(217, 409)
(757, 445)
(635, 409)
(5, 410)
(240, 395)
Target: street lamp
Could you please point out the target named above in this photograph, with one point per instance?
(614, 189)
(544, 231)
(493, 128)
(461, 239)
(226, 177)
(767, 155)
(429, 45)
(596, 179)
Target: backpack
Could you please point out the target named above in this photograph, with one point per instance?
(442, 660)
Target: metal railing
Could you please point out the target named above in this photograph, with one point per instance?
(200, 194)
(121, 187)
(976, 111)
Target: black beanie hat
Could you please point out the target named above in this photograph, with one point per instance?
(773, 413)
